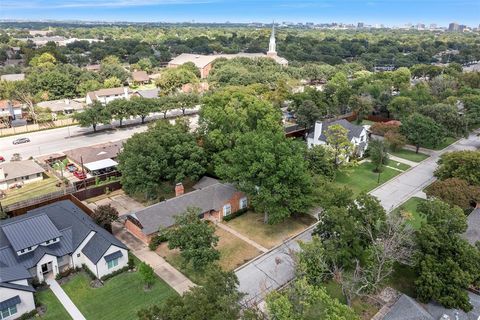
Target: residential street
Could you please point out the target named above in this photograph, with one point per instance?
(401, 188)
(61, 139)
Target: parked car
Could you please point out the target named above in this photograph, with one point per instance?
(2, 159)
(80, 175)
(71, 167)
(21, 140)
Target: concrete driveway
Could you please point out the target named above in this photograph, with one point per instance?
(395, 192)
(123, 203)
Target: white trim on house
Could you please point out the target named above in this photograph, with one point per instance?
(227, 209)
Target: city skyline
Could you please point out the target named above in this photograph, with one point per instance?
(372, 12)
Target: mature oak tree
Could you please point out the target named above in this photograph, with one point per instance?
(93, 116)
(422, 131)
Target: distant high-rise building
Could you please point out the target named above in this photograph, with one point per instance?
(462, 27)
(433, 26)
(360, 25)
(420, 26)
(453, 26)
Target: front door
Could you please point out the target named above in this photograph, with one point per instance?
(46, 267)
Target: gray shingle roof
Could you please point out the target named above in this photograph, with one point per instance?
(205, 182)
(472, 234)
(437, 310)
(30, 232)
(406, 308)
(17, 169)
(74, 226)
(353, 130)
(148, 93)
(211, 197)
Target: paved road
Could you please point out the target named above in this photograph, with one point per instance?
(401, 188)
(61, 139)
(65, 300)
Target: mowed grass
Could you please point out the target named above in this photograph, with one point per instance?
(31, 190)
(409, 155)
(409, 208)
(251, 225)
(121, 297)
(445, 143)
(398, 165)
(55, 309)
(361, 178)
(234, 252)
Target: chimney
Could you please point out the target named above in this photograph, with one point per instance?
(318, 131)
(125, 92)
(179, 190)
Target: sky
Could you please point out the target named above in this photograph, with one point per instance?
(388, 12)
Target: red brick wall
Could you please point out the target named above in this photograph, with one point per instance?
(133, 229)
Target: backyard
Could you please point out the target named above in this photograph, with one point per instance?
(54, 309)
(410, 208)
(121, 297)
(31, 190)
(409, 155)
(233, 253)
(251, 225)
(361, 178)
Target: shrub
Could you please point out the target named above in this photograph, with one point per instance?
(395, 140)
(29, 315)
(131, 262)
(65, 273)
(89, 272)
(381, 128)
(114, 273)
(235, 214)
(157, 240)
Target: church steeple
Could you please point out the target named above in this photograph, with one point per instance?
(272, 47)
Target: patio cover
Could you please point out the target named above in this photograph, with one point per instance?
(100, 164)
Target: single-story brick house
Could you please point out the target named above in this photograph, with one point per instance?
(214, 198)
(19, 172)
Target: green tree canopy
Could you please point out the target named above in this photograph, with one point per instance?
(460, 164)
(422, 131)
(93, 116)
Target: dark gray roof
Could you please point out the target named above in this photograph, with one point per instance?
(149, 93)
(472, 234)
(13, 301)
(113, 256)
(30, 231)
(406, 308)
(353, 130)
(74, 226)
(16, 286)
(9, 274)
(98, 245)
(205, 182)
(437, 310)
(211, 197)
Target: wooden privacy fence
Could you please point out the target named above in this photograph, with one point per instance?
(36, 127)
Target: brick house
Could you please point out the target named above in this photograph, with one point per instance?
(214, 199)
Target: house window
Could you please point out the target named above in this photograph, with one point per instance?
(27, 177)
(243, 203)
(112, 263)
(8, 312)
(39, 174)
(78, 255)
(227, 209)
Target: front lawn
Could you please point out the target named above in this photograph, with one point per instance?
(398, 165)
(445, 143)
(54, 309)
(251, 225)
(409, 155)
(121, 297)
(31, 190)
(410, 208)
(362, 178)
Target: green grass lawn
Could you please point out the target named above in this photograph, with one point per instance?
(362, 178)
(409, 155)
(55, 310)
(251, 225)
(31, 190)
(121, 297)
(410, 207)
(402, 279)
(446, 142)
(398, 165)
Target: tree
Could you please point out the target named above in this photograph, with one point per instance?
(362, 106)
(145, 64)
(311, 263)
(21, 91)
(307, 114)
(422, 131)
(141, 107)
(185, 101)
(120, 109)
(460, 164)
(147, 274)
(112, 82)
(337, 139)
(320, 161)
(104, 215)
(447, 116)
(446, 264)
(303, 301)
(92, 116)
(454, 191)
(45, 61)
(165, 152)
(401, 107)
(395, 140)
(271, 169)
(401, 78)
(173, 78)
(195, 238)
(378, 154)
(217, 299)
(87, 86)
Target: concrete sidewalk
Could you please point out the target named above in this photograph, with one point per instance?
(241, 236)
(65, 300)
(162, 268)
(401, 160)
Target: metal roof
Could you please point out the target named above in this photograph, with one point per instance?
(16, 286)
(113, 256)
(9, 274)
(30, 232)
(100, 164)
(13, 301)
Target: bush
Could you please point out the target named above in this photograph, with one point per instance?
(235, 214)
(29, 315)
(395, 140)
(89, 272)
(381, 128)
(114, 273)
(157, 240)
(131, 262)
(65, 273)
